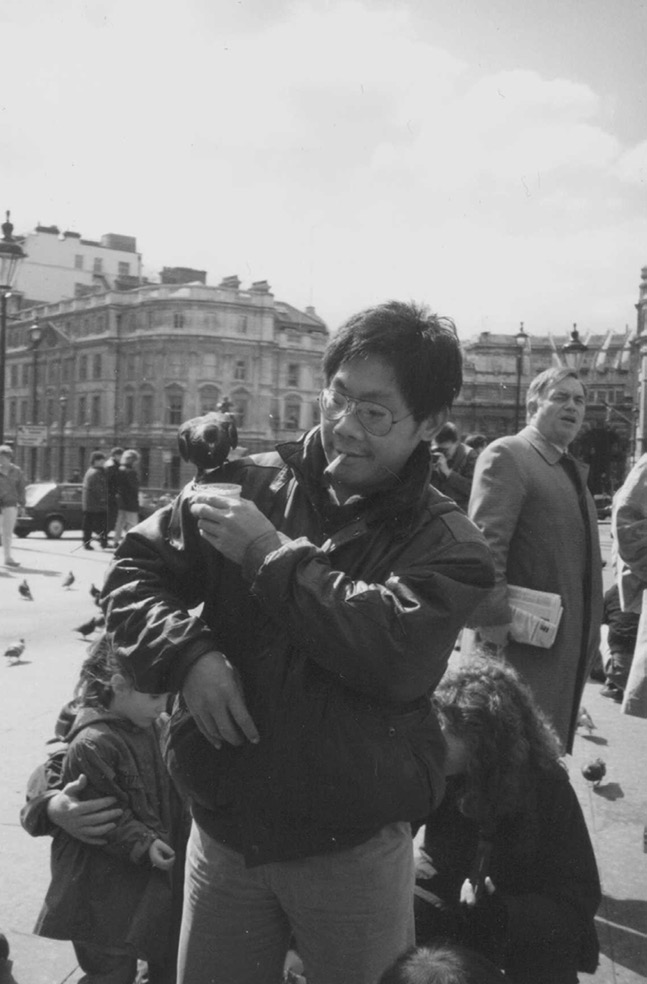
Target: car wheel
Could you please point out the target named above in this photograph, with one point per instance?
(54, 528)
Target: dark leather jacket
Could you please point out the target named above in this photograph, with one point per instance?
(367, 599)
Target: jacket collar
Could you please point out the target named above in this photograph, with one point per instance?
(307, 460)
(549, 451)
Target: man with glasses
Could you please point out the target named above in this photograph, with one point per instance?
(333, 593)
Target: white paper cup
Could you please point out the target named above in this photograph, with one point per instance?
(205, 491)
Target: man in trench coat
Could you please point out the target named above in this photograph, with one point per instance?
(529, 498)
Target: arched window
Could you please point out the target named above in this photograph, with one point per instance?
(209, 398)
(174, 405)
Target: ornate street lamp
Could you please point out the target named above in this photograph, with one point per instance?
(36, 334)
(574, 350)
(61, 451)
(11, 255)
(521, 339)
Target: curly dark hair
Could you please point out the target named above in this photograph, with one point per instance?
(93, 688)
(442, 963)
(484, 703)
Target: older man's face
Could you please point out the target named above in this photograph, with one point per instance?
(560, 412)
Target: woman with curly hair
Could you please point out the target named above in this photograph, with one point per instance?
(507, 866)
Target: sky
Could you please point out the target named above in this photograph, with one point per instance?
(487, 159)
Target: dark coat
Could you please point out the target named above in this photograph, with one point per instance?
(527, 506)
(94, 497)
(545, 875)
(111, 896)
(127, 489)
(360, 606)
(457, 485)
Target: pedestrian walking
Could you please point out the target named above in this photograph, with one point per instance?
(530, 499)
(127, 494)
(12, 495)
(333, 590)
(618, 645)
(454, 463)
(507, 867)
(111, 468)
(94, 501)
(115, 901)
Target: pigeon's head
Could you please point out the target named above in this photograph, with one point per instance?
(206, 441)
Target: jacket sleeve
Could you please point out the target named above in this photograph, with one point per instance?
(495, 504)
(391, 637)
(629, 521)
(130, 838)
(458, 484)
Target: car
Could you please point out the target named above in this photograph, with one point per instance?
(53, 507)
(603, 504)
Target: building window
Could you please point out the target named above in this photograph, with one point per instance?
(82, 410)
(23, 411)
(242, 324)
(12, 413)
(178, 319)
(96, 367)
(50, 412)
(175, 365)
(240, 410)
(175, 407)
(83, 367)
(209, 398)
(147, 408)
(53, 371)
(78, 262)
(98, 265)
(292, 414)
(96, 409)
(36, 411)
(14, 376)
(240, 370)
(293, 375)
(131, 366)
(124, 269)
(67, 370)
(129, 409)
(25, 374)
(148, 366)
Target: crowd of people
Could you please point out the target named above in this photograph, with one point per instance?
(298, 639)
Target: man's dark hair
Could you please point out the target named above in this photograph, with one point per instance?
(116, 451)
(97, 456)
(476, 441)
(448, 432)
(421, 348)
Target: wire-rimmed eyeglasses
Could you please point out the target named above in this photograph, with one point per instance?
(374, 418)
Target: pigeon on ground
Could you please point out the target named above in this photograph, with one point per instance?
(88, 627)
(25, 590)
(96, 594)
(594, 771)
(585, 720)
(69, 580)
(15, 651)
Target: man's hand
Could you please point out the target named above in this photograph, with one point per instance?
(496, 634)
(232, 526)
(468, 894)
(213, 693)
(161, 855)
(440, 463)
(89, 820)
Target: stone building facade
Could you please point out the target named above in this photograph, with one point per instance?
(127, 367)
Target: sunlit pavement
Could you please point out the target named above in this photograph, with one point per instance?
(32, 692)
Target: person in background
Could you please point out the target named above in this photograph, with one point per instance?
(127, 495)
(618, 648)
(531, 501)
(119, 901)
(454, 463)
(111, 468)
(94, 501)
(12, 495)
(443, 963)
(507, 867)
(478, 442)
(333, 590)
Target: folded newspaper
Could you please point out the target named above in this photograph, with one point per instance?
(535, 616)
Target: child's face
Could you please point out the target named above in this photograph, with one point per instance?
(141, 709)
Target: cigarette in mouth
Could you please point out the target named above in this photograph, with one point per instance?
(334, 465)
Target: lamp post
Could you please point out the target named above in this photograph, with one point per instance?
(521, 339)
(35, 338)
(61, 451)
(11, 254)
(574, 350)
